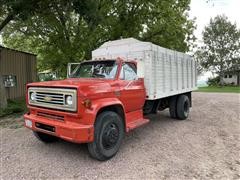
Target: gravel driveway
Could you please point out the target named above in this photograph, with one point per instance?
(206, 146)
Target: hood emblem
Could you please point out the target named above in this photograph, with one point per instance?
(47, 98)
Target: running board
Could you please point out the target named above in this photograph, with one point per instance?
(136, 124)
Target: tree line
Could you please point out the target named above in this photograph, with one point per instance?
(220, 51)
(62, 31)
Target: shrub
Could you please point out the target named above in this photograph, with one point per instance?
(14, 106)
(214, 81)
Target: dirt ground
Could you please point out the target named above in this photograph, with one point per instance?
(206, 146)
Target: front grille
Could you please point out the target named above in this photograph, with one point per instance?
(53, 98)
(50, 116)
(50, 98)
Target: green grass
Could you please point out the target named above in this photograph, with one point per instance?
(14, 107)
(224, 89)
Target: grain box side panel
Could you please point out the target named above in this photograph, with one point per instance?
(167, 72)
(195, 68)
(189, 73)
(159, 72)
(193, 74)
(180, 71)
(148, 74)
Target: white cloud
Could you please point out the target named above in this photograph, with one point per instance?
(203, 11)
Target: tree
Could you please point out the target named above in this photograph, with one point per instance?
(168, 25)
(220, 50)
(17, 10)
(67, 31)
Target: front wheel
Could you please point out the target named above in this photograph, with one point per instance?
(108, 135)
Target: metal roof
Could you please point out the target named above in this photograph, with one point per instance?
(17, 50)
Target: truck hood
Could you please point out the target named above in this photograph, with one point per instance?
(85, 86)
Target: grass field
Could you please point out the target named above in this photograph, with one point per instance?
(229, 89)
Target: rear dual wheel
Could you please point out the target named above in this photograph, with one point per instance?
(179, 107)
(108, 135)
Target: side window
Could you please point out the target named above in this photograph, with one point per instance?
(128, 72)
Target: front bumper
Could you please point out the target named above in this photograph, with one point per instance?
(70, 131)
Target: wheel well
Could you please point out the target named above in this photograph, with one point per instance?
(188, 94)
(163, 103)
(117, 108)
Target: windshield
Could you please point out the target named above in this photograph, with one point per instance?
(96, 69)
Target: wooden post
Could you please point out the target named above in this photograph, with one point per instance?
(3, 95)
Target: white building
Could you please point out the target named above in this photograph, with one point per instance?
(231, 79)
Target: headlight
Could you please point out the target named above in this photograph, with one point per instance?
(33, 96)
(69, 100)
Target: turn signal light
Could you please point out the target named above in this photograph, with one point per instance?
(87, 103)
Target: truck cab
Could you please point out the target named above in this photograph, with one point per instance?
(97, 104)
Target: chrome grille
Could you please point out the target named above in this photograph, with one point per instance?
(53, 98)
(50, 98)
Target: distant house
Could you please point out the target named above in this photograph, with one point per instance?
(232, 78)
(17, 68)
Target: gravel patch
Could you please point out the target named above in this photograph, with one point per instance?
(206, 146)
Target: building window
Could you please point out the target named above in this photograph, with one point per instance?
(9, 80)
(230, 76)
(225, 76)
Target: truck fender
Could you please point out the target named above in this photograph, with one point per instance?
(97, 105)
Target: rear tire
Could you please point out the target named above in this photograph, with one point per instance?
(108, 135)
(183, 107)
(173, 107)
(45, 137)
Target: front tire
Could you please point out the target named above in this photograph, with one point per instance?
(108, 135)
(183, 107)
(45, 137)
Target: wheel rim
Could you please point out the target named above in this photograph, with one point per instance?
(186, 108)
(110, 136)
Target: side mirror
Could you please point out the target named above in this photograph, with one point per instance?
(71, 68)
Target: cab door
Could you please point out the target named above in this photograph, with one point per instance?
(132, 91)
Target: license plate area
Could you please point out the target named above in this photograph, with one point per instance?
(28, 123)
(45, 127)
